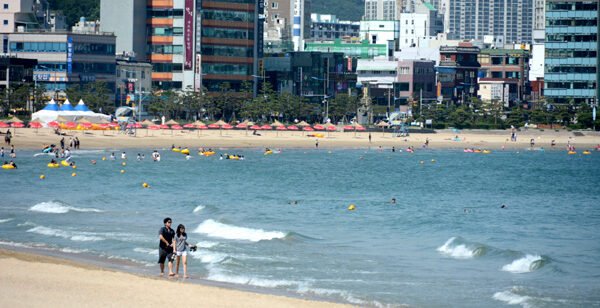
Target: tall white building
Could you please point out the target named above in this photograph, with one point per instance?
(539, 14)
(421, 24)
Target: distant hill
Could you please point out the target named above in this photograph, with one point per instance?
(74, 9)
(352, 10)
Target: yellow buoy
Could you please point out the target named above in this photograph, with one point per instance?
(103, 158)
(42, 176)
(145, 185)
(122, 171)
(124, 164)
(432, 160)
(74, 167)
(422, 162)
(74, 174)
(329, 152)
(351, 207)
(587, 152)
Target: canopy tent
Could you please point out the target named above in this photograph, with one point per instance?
(51, 112)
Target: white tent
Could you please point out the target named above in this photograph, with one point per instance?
(51, 112)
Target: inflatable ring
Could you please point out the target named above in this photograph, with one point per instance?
(587, 152)
(184, 151)
(477, 151)
(176, 150)
(8, 167)
(46, 150)
(487, 152)
(572, 152)
(268, 152)
(64, 163)
(53, 165)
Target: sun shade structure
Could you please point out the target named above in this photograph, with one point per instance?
(171, 122)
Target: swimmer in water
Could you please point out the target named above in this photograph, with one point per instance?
(93, 162)
(504, 206)
(294, 202)
(393, 200)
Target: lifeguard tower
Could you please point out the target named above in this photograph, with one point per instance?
(397, 120)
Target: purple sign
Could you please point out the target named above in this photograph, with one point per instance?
(189, 34)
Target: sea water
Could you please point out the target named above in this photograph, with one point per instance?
(445, 242)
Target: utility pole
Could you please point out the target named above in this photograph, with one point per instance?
(420, 102)
(388, 109)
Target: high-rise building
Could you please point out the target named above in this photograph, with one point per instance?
(328, 27)
(571, 50)
(126, 19)
(539, 14)
(381, 9)
(287, 24)
(473, 19)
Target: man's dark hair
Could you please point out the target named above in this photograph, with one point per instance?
(166, 219)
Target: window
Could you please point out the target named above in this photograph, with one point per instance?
(405, 70)
(274, 5)
(143, 74)
(6, 22)
(6, 6)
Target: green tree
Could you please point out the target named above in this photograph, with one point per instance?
(460, 118)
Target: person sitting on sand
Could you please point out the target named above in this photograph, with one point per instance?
(165, 247)
(181, 245)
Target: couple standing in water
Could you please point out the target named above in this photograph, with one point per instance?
(173, 245)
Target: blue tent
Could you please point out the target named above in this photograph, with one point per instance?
(52, 106)
(81, 106)
(66, 106)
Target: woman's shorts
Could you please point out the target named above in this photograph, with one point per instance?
(181, 253)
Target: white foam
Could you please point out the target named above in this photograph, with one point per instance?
(459, 251)
(205, 244)
(522, 265)
(253, 281)
(153, 252)
(13, 244)
(71, 250)
(206, 256)
(5, 220)
(79, 236)
(58, 208)
(216, 229)
(199, 208)
(511, 298)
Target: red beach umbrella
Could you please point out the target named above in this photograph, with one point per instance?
(87, 125)
(281, 128)
(35, 125)
(331, 128)
(255, 127)
(4, 125)
(103, 125)
(153, 127)
(138, 125)
(361, 128)
(242, 126)
(113, 125)
(70, 124)
(189, 125)
(53, 124)
(17, 125)
(227, 126)
(176, 127)
(213, 125)
(266, 127)
(130, 126)
(348, 127)
(318, 127)
(163, 126)
(292, 127)
(202, 127)
(308, 129)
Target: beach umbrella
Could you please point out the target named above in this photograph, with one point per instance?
(14, 120)
(213, 125)
(276, 124)
(103, 126)
(171, 122)
(383, 125)
(241, 126)
(17, 125)
(318, 127)
(198, 123)
(138, 125)
(147, 123)
(35, 125)
(189, 125)
(248, 123)
(87, 125)
(348, 127)
(292, 127)
(163, 126)
(220, 122)
(227, 126)
(153, 127)
(331, 128)
(62, 120)
(83, 120)
(71, 125)
(255, 127)
(113, 124)
(303, 123)
(52, 124)
(4, 125)
(357, 127)
(175, 127)
(361, 128)
(281, 127)
(308, 129)
(202, 127)
(266, 126)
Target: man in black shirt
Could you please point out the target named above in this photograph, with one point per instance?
(165, 247)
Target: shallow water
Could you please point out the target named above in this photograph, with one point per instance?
(542, 251)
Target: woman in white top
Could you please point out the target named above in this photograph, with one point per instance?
(181, 245)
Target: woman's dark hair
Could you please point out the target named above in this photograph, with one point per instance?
(179, 233)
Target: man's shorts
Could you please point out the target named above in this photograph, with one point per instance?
(164, 255)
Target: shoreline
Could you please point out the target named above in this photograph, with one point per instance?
(31, 139)
(42, 277)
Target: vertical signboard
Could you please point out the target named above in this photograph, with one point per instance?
(189, 34)
(198, 73)
(349, 64)
(69, 54)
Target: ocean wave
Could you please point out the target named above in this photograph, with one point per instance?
(216, 275)
(56, 207)
(220, 230)
(44, 154)
(148, 251)
(14, 244)
(512, 298)
(525, 264)
(71, 250)
(5, 220)
(204, 244)
(78, 236)
(458, 248)
(198, 208)
(207, 256)
(346, 295)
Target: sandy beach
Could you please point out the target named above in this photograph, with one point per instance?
(32, 280)
(27, 138)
